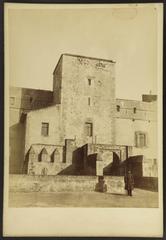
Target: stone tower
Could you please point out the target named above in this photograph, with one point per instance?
(85, 88)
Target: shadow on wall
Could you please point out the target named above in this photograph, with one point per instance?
(16, 143)
(25, 165)
(113, 168)
(147, 183)
(90, 168)
(77, 166)
(134, 164)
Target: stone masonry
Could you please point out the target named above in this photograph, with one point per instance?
(80, 127)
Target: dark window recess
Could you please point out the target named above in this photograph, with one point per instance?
(89, 81)
(45, 129)
(118, 108)
(89, 101)
(89, 129)
(135, 110)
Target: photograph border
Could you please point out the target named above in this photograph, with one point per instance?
(2, 95)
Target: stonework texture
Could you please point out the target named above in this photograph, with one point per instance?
(83, 124)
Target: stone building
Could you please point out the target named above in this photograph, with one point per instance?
(80, 127)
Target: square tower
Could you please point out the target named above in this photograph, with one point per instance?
(85, 88)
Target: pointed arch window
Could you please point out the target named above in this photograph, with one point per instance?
(55, 157)
(43, 156)
(32, 154)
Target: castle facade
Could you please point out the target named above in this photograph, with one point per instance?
(81, 127)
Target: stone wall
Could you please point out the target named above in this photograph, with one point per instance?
(88, 95)
(57, 82)
(132, 109)
(126, 135)
(29, 99)
(22, 99)
(50, 115)
(25, 183)
(147, 183)
(16, 142)
(45, 160)
(85, 87)
(140, 167)
(108, 157)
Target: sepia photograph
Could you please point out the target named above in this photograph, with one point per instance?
(83, 106)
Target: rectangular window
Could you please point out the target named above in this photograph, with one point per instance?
(118, 108)
(12, 100)
(141, 139)
(89, 101)
(89, 129)
(89, 81)
(45, 129)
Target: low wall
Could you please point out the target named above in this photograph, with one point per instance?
(58, 183)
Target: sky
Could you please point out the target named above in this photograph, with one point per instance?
(127, 34)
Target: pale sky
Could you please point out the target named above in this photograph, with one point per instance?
(127, 35)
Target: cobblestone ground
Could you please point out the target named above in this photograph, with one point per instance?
(140, 199)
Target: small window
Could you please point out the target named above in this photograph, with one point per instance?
(134, 110)
(89, 101)
(141, 139)
(89, 129)
(118, 108)
(45, 129)
(89, 81)
(12, 100)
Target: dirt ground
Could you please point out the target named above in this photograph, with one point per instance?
(140, 199)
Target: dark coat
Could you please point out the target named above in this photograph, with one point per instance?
(129, 181)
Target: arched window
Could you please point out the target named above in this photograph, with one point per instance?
(43, 156)
(55, 156)
(32, 154)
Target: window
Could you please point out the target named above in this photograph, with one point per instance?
(141, 139)
(89, 129)
(89, 101)
(12, 100)
(118, 108)
(89, 81)
(55, 156)
(134, 110)
(43, 156)
(45, 129)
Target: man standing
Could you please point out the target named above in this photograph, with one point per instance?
(129, 183)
